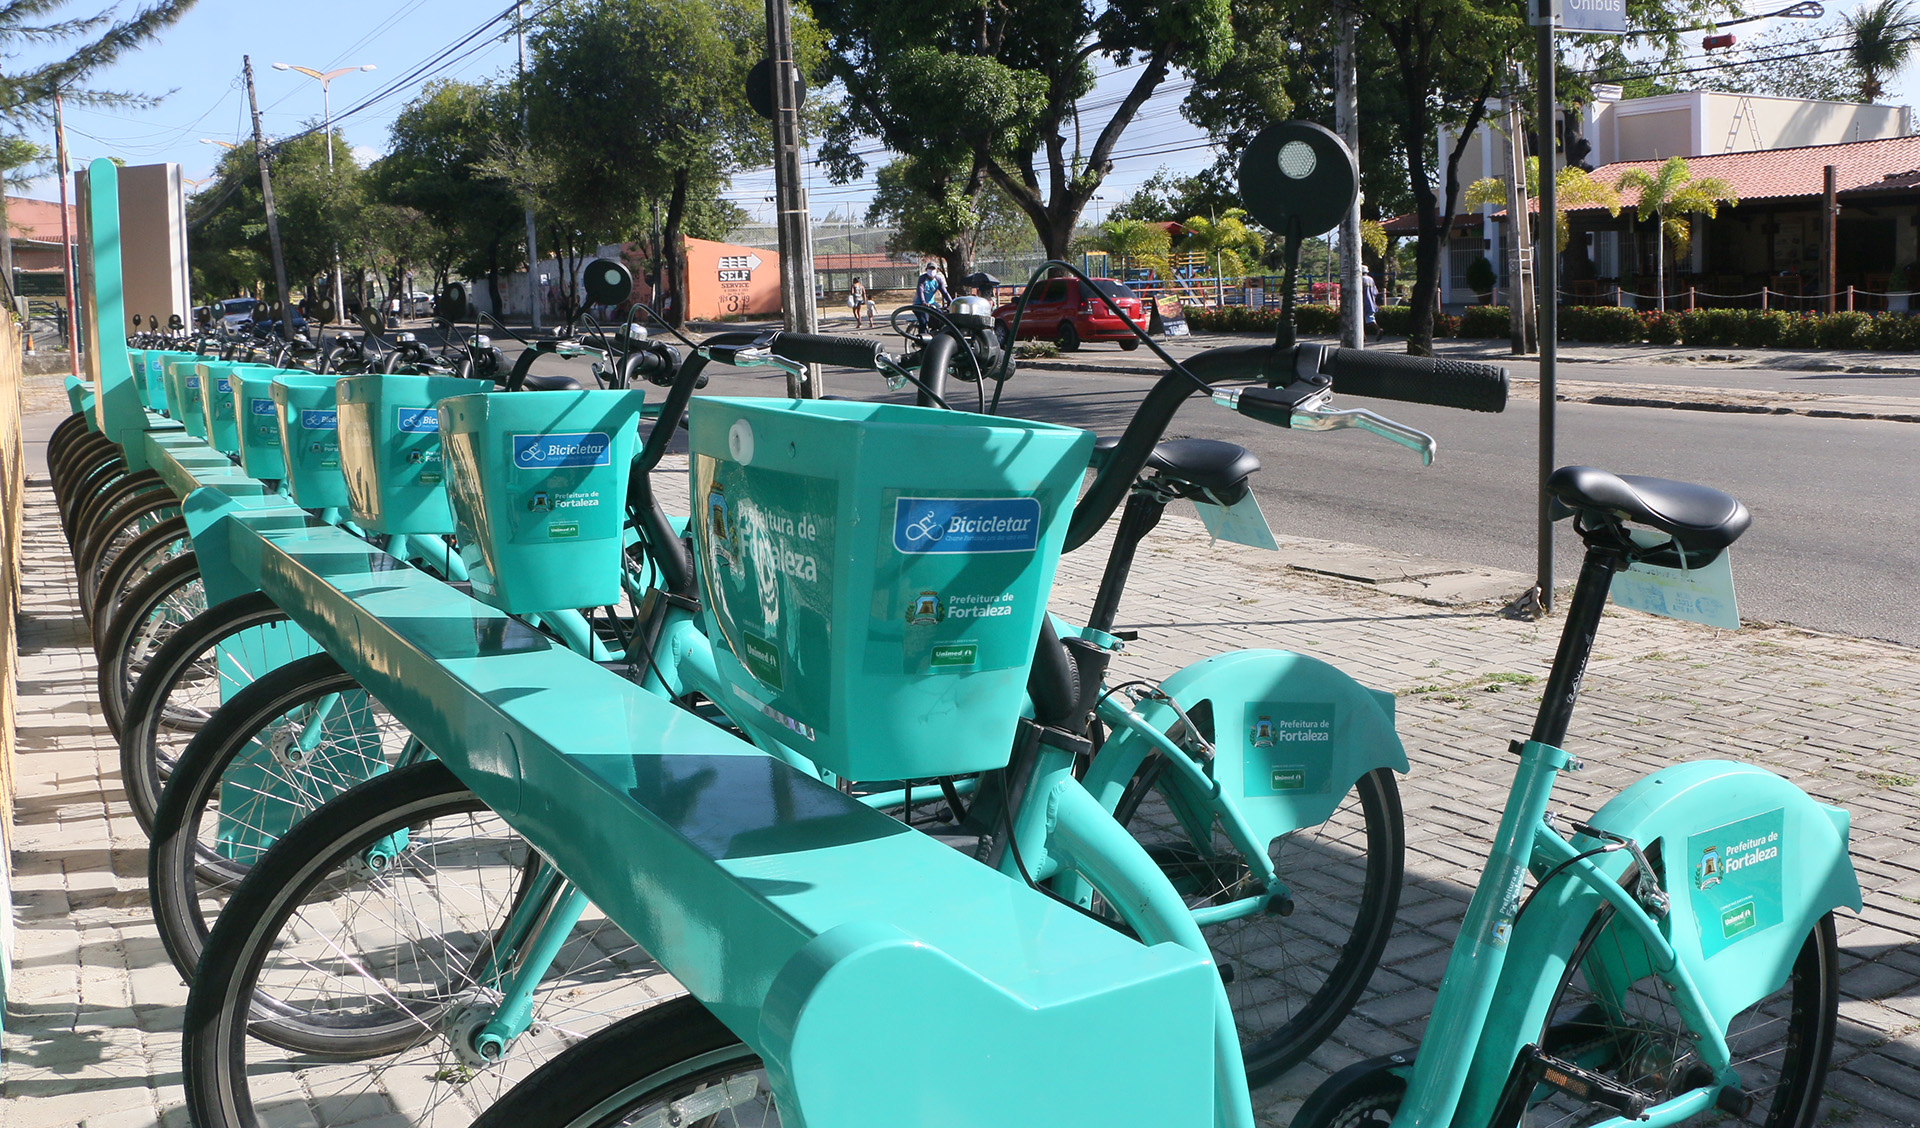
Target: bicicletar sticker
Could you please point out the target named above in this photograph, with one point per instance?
(767, 557)
(1735, 876)
(1289, 747)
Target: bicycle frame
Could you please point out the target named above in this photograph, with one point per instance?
(1505, 969)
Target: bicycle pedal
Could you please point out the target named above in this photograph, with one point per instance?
(1584, 1084)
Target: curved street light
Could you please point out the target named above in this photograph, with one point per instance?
(325, 79)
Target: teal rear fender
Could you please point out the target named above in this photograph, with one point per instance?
(1750, 862)
(1291, 734)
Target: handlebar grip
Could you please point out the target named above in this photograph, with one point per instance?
(822, 348)
(1395, 376)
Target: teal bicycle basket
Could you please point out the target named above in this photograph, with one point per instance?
(538, 485)
(259, 421)
(390, 450)
(310, 440)
(874, 576)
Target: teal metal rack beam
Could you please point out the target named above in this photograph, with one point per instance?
(885, 978)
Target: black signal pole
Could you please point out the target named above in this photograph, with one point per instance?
(790, 196)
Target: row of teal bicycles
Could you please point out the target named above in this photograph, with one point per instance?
(573, 746)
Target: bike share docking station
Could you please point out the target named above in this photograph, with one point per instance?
(798, 915)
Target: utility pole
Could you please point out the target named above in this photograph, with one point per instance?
(66, 240)
(1829, 245)
(1353, 331)
(266, 196)
(1519, 231)
(1547, 283)
(526, 144)
(790, 196)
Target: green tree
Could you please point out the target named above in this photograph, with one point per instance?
(441, 143)
(1879, 41)
(1750, 66)
(227, 220)
(1572, 188)
(90, 44)
(936, 214)
(1164, 196)
(1673, 196)
(996, 87)
(638, 107)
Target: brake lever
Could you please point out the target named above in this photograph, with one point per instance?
(1317, 418)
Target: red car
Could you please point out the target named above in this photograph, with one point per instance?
(1064, 311)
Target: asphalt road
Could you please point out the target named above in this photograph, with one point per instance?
(1835, 543)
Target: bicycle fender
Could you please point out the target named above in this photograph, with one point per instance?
(1750, 863)
(1291, 735)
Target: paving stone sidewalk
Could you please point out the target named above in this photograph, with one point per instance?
(92, 1029)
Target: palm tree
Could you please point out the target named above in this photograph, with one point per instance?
(1223, 241)
(1672, 194)
(1134, 242)
(1879, 42)
(1572, 188)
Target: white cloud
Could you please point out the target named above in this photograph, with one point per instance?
(366, 154)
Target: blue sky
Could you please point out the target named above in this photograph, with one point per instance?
(197, 66)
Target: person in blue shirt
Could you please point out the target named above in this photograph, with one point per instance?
(930, 291)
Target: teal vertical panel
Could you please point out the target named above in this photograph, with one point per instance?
(116, 399)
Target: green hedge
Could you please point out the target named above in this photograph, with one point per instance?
(1701, 328)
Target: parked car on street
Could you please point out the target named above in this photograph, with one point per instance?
(1063, 311)
(236, 311)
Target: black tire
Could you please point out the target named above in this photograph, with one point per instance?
(1067, 337)
(90, 483)
(150, 615)
(658, 1056)
(88, 518)
(65, 433)
(1291, 979)
(325, 957)
(118, 529)
(206, 661)
(1632, 1033)
(135, 563)
(86, 453)
(1128, 344)
(240, 784)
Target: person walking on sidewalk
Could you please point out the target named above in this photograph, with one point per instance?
(1369, 299)
(858, 301)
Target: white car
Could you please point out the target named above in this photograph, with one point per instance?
(235, 311)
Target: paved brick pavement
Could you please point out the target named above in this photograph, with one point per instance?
(92, 1028)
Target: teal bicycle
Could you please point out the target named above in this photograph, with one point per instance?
(1668, 959)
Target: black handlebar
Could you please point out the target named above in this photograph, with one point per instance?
(825, 348)
(1474, 387)
(1397, 376)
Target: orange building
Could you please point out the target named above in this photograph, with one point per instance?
(723, 279)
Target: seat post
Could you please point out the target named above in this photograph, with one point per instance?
(1145, 505)
(1576, 642)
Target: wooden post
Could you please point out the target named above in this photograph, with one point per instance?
(1829, 229)
(1764, 294)
(1690, 293)
(1849, 299)
(266, 198)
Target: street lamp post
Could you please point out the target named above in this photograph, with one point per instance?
(325, 79)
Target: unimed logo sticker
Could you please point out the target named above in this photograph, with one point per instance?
(581, 448)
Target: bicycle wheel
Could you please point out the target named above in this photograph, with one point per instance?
(673, 1064)
(356, 979)
(119, 527)
(282, 746)
(135, 563)
(106, 485)
(83, 458)
(90, 522)
(1291, 978)
(209, 659)
(151, 613)
(1631, 1032)
(66, 433)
